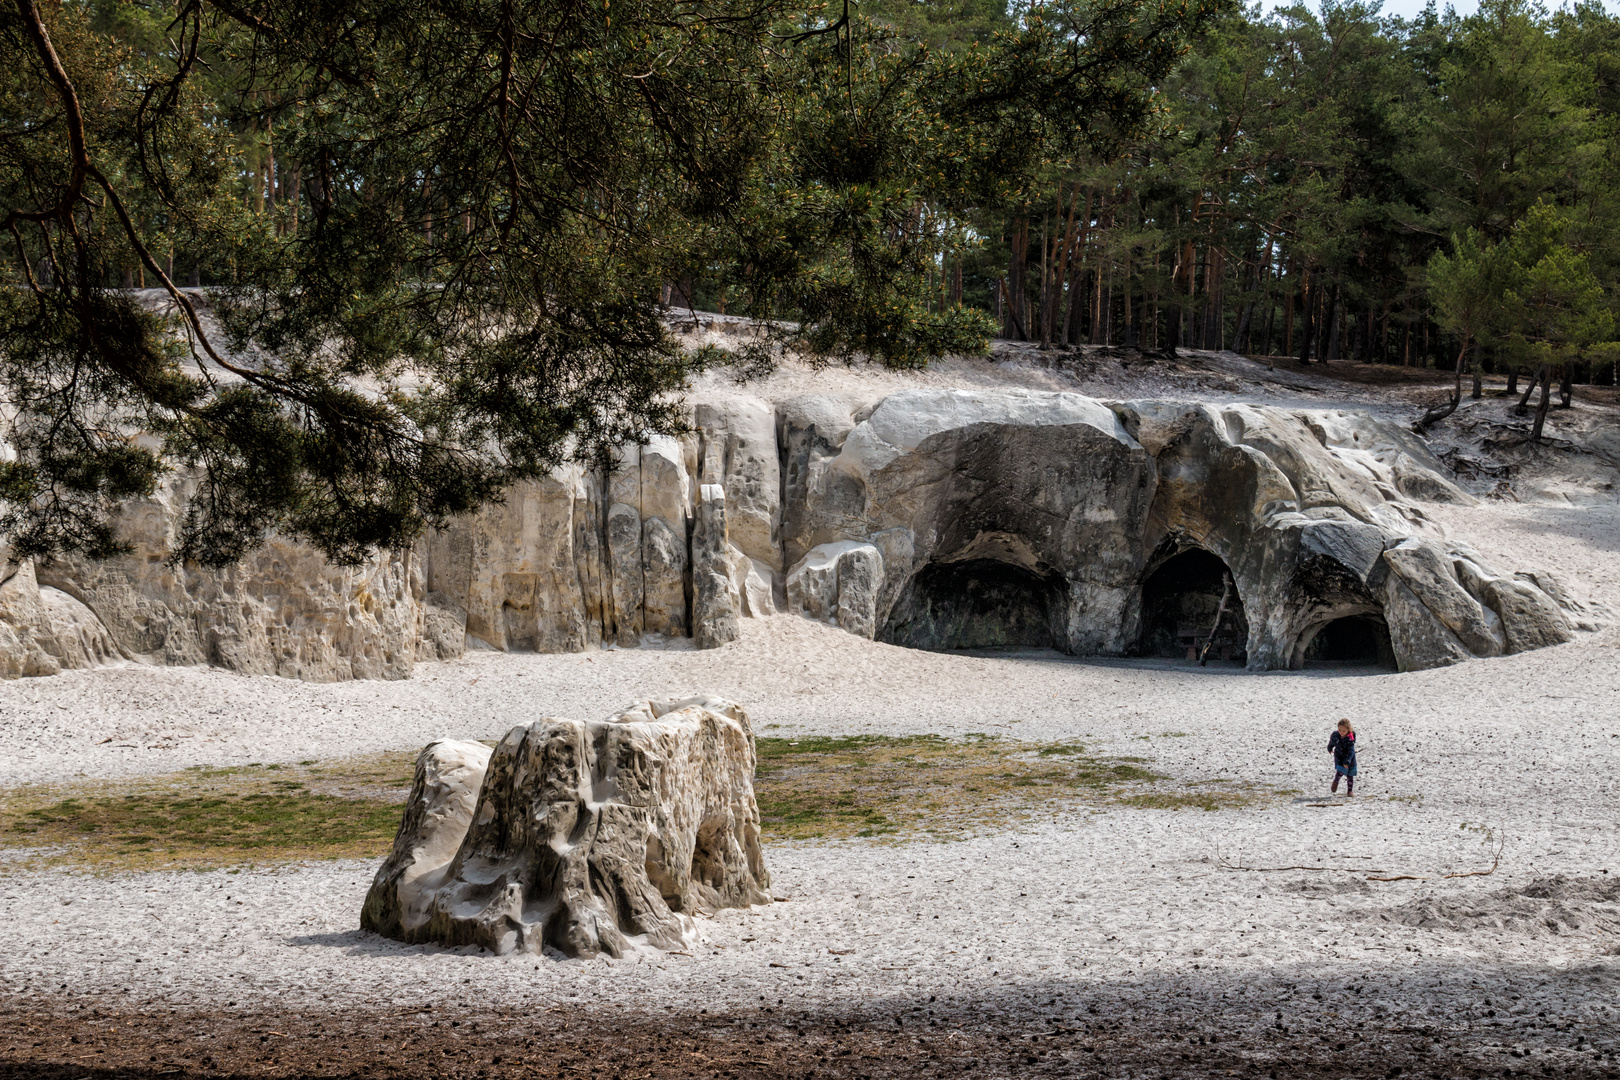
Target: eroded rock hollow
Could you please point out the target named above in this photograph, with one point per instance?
(931, 518)
(578, 838)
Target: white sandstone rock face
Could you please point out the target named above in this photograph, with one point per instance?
(444, 794)
(742, 433)
(716, 599)
(80, 638)
(665, 491)
(44, 630)
(515, 567)
(583, 838)
(931, 518)
(839, 583)
(1020, 518)
(283, 610)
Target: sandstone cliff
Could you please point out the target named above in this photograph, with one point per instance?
(932, 518)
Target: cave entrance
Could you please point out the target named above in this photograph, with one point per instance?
(1179, 603)
(1353, 641)
(980, 604)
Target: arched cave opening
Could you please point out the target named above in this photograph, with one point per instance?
(1179, 604)
(980, 604)
(1353, 641)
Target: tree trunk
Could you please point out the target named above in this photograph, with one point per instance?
(1435, 413)
(1212, 297)
(1012, 315)
(1046, 286)
(1220, 613)
(1271, 321)
(1153, 307)
(1186, 332)
(1524, 402)
(269, 166)
(1546, 399)
(1013, 283)
(1128, 339)
(1334, 324)
(1307, 296)
(256, 196)
(1288, 316)
(1098, 331)
(1513, 381)
(292, 200)
(1060, 275)
(1240, 340)
(1566, 388)
(1077, 269)
(1079, 292)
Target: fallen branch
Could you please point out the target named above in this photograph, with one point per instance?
(1373, 874)
(1224, 865)
(1496, 861)
(1220, 613)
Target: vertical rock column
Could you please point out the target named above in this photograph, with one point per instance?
(664, 492)
(624, 546)
(715, 601)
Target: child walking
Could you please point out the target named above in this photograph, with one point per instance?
(1342, 745)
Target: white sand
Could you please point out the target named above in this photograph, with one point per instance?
(1125, 902)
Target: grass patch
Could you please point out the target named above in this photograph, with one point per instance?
(1220, 799)
(206, 818)
(923, 785)
(832, 787)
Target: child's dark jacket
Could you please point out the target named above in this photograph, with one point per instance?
(1343, 749)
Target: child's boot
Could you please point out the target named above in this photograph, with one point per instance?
(1349, 787)
(1335, 786)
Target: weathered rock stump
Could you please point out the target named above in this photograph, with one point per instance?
(578, 838)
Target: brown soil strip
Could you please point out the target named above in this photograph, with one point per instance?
(91, 1043)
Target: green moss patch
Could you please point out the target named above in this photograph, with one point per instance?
(924, 785)
(210, 817)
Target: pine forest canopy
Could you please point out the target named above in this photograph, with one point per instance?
(432, 238)
(1321, 172)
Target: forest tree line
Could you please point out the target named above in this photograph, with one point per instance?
(1325, 184)
(1321, 180)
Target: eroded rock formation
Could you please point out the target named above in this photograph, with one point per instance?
(578, 838)
(929, 518)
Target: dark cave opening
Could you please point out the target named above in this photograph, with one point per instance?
(980, 604)
(1358, 640)
(1179, 603)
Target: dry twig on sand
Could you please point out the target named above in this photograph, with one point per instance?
(1496, 860)
(1373, 875)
